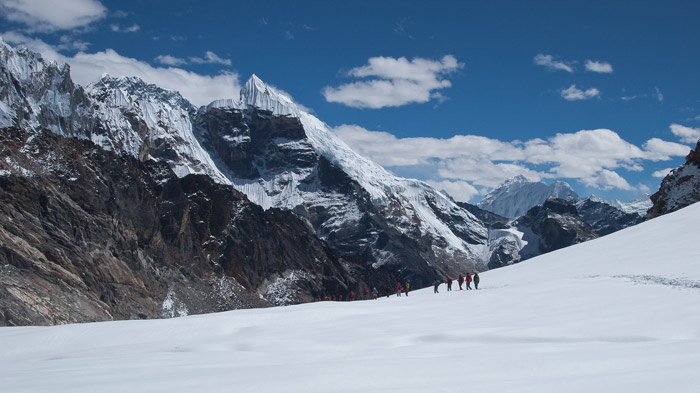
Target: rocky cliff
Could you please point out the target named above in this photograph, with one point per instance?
(89, 235)
(679, 188)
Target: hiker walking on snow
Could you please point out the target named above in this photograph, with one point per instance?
(375, 293)
(449, 283)
(476, 280)
(460, 280)
(436, 284)
(469, 281)
(406, 286)
(398, 289)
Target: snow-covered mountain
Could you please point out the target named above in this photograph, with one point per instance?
(517, 195)
(265, 146)
(282, 156)
(616, 314)
(638, 206)
(119, 114)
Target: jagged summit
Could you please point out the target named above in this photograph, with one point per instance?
(257, 94)
(131, 88)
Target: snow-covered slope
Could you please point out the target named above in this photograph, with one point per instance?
(517, 195)
(616, 314)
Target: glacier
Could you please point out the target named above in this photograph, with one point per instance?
(619, 313)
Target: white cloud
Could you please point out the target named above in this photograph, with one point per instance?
(209, 58)
(484, 172)
(395, 82)
(572, 93)
(662, 173)
(659, 95)
(549, 62)
(686, 134)
(72, 43)
(88, 67)
(598, 66)
(52, 15)
(634, 97)
(460, 191)
(592, 157)
(131, 29)
(606, 179)
(170, 60)
(660, 150)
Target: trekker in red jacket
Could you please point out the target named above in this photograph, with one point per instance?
(469, 281)
(460, 281)
(449, 283)
(398, 289)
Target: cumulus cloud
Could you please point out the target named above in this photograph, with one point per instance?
(660, 150)
(662, 173)
(592, 157)
(598, 66)
(460, 191)
(53, 15)
(88, 67)
(573, 93)
(686, 134)
(550, 62)
(394, 82)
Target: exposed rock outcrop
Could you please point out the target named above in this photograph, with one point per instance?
(554, 225)
(679, 188)
(88, 235)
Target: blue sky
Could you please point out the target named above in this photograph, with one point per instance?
(603, 95)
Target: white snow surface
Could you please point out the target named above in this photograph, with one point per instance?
(617, 314)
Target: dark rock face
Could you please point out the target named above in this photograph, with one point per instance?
(254, 145)
(679, 188)
(490, 219)
(87, 235)
(554, 225)
(604, 218)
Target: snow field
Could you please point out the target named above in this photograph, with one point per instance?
(616, 314)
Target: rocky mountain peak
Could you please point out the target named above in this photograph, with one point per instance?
(131, 88)
(257, 94)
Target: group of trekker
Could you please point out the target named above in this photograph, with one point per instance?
(460, 280)
(404, 288)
